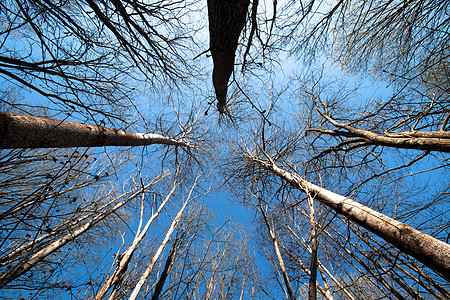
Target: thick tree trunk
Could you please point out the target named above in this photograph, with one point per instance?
(419, 140)
(432, 252)
(24, 131)
(226, 21)
(395, 260)
(369, 271)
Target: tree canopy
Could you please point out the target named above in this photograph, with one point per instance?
(321, 174)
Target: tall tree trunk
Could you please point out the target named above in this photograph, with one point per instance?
(24, 131)
(368, 269)
(312, 292)
(169, 262)
(322, 290)
(395, 260)
(278, 253)
(419, 140)
(149, 269)
(172, 228)
(125, 258)
(430, 251)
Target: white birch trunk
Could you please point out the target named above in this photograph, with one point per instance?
(278, 253)
(149, 269)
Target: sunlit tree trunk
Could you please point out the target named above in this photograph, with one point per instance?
(273, 237)
(403, 281)
(216, 268)
(322, 290)
(149, 269)
(173, 225)
(125, 258)
(422, 279)
(352, 258)
(312, 292)
(430, 251)
(24, 131)
(428, 141)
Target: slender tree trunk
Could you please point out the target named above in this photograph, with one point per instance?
(278, 253)
(323, 269)
(213, 280)
(326, 288)
(430, 251)
(125, 258)
(149, 269)
(323, 290)
(172, 228)
(169, 262)
(24, 131)
(312, 292)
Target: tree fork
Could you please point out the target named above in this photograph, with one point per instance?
(430, 251)
(25, 131)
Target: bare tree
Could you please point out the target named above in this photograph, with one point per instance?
(176, 220)
(430, 251)
(381, 233)
(248, 166)
(281, 264)
(90, 52)
(125, 258)
(77, 228)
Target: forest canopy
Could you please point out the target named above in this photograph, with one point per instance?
(312, 163)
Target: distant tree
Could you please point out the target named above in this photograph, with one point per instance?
(68, 231)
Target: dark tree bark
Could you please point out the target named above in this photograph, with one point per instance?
(167, 267)
(226, 21)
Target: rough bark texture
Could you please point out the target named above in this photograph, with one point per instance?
(432, 252)
(226, 21)
(24, 131)
(312, 293)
